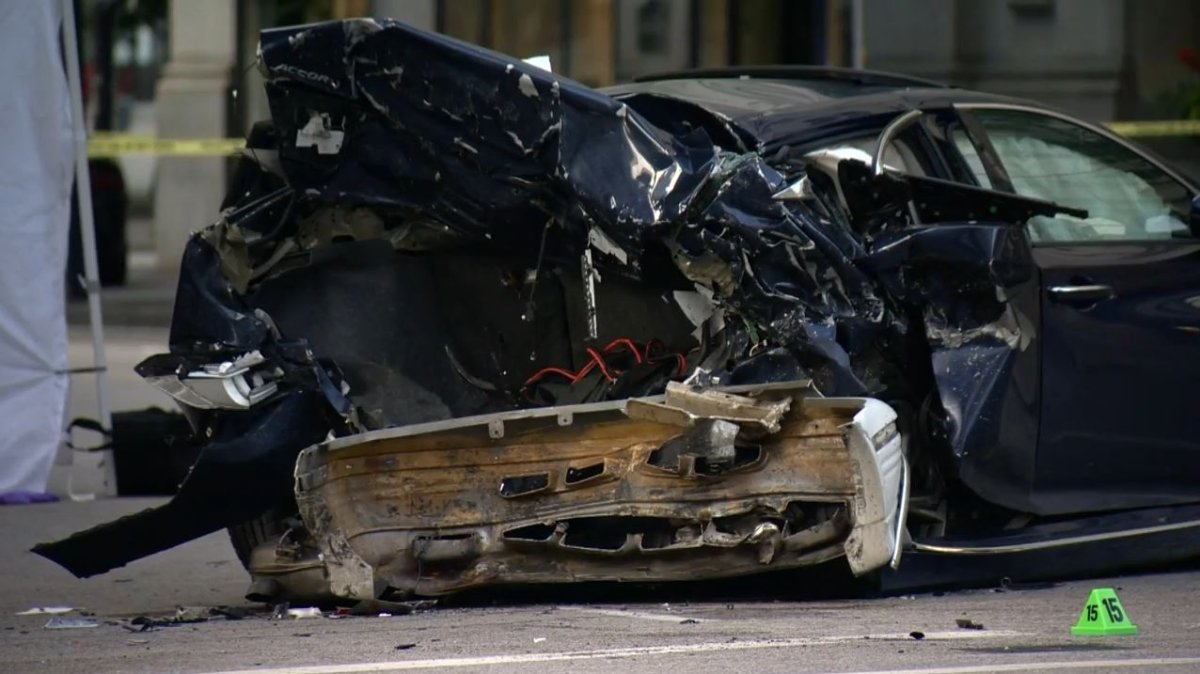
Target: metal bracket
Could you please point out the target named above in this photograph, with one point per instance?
(496, 429)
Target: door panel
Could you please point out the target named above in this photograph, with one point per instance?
(1120, 425)
(1120, 295)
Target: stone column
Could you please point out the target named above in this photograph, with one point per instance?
(419, 13)
(1067, 53)
(193, 102)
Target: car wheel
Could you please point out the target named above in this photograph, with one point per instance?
(265, 528)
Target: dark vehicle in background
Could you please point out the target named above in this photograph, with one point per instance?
(709, 323)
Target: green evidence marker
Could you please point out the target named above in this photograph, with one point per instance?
(1103, 616)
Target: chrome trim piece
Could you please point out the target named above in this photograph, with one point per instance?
(1048, 545)
(1079, 290)
(902, 516)
(889, 134)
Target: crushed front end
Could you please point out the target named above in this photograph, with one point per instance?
(691, 485)
(507, 329)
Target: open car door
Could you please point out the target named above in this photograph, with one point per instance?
(1120, 329)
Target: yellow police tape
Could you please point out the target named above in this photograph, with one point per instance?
(1172, 127)
(119, 144)
(116, 145)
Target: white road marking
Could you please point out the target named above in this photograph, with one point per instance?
(530, 658)
(1134, 663)
(640, 615)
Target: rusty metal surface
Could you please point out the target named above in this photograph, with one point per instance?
(581, 496)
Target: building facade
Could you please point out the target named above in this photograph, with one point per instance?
(1099, 59)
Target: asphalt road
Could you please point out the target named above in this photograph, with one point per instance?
(1025, 630)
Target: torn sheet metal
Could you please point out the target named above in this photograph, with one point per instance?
(980, 332)
(234, 384)
(580, 157)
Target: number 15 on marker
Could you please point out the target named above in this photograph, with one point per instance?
(1111, 607)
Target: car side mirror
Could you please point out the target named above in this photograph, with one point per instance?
(1194, 216)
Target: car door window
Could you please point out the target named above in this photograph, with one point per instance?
(1127, 197)
(971, 156)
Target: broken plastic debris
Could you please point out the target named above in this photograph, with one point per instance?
(230, 612)
(968, 624)
(380, 606)
(316, 133)
(525, 82)
(541, 61)
(190, 614)
(70, 623)
(46, 610)
(599, 240)
(184, 615)
(305, 612)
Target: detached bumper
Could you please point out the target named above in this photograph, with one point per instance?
(690, 485)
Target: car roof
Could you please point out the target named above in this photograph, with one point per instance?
(794, 105)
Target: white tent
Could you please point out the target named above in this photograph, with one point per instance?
(44, 150)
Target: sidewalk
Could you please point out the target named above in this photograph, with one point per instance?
(136, 320)
(145, 300)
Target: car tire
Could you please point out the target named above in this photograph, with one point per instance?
(248, 535)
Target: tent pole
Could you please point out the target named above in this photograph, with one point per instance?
(87, 228)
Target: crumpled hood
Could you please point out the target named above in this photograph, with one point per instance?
(499, 150)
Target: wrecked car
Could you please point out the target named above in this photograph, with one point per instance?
(465, 322)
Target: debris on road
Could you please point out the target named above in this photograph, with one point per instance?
(368, 607)
(46, 610)
(405, 647)
(968, 624)
(230, 612)
(305, 612)
(918, 635)
(184, 615)
(71, 623)
(191, 614)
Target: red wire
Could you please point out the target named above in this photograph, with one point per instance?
(550, 370)
(596, 359)
(599, 360)
(680, 358)
(584, 372)
(629, 344)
